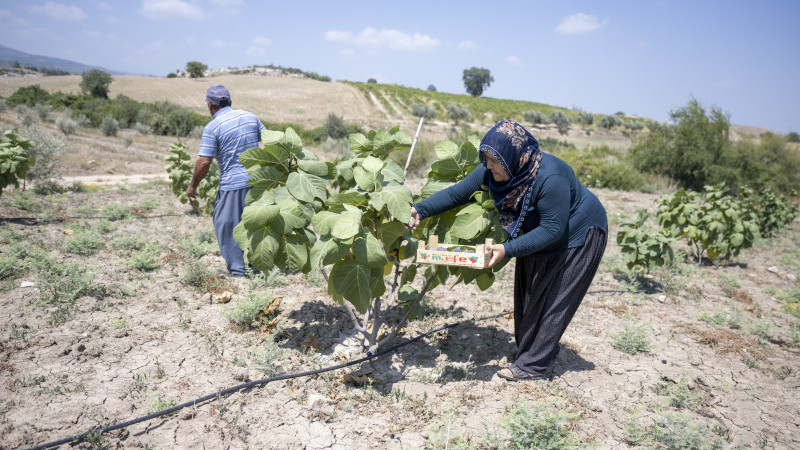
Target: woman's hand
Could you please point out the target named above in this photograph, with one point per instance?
(414, 222)
(498, 253)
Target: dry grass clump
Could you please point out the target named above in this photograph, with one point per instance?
(724, 340)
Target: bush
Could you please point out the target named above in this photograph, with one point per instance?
(535, 117)
(561, 121)
(29, 95)
(171, 75)
(432, 88)
(82, 121)
(26, 117)
(46, 150)
(601, 167)
(458, 112)
(372, 81)
(3, 105)
(633, 126)
(145, 260)
(128, 242)
(66, 126)
(423, 110)
(197, 132)
(109, 126)
(609, 122)
(334, 127)
(48, 187)
(43, 111)
(542, 426)
(585, 118)
(142, 128)
(791, 137)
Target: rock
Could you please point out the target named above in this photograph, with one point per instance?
(206, 298)
(25, 284)
(791, 277)
(661, 298)
(772, 269)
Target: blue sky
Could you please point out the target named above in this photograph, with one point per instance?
(644, 57)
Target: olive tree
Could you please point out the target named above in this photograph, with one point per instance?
(476, 79)
(196, 69)
(95, 83)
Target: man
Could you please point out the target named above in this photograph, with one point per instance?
(230, 132)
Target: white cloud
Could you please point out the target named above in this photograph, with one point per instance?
(513, 60)
(580, 23)
(59, 11)
(384, 38)
(170, 9)
(258, 46)
(466, 45)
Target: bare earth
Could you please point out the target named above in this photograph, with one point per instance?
(149, 340)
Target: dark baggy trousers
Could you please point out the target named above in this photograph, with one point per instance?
(548, 288)
(228, 208)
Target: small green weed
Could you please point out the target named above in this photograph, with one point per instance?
(250, 310)
(146, 259)
(679, 394)
(84, 243)
(139, 386)
(673, 431)
(25, 200)
(761, 328)
(202, 278)
(791, 300)
(148, 203)
(116, 211)
(732, 319)
(128, 242)
(60, 315)
(10, 267)
(119, 323)
(103, 226)
(541, 425)
(632, 339)
(94, 439)
(446, 434)
(273, 358)
(64, 282)
(160, 405)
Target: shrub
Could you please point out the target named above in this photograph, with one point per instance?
(26, 117)
(46, 150)
(600, 166)
(142, 128)
(197, 132)
(66, 126)
(632, 339)
(458, 112)
(791, 137)
(82, 121)
(561, 121)
(535, 117)
(128, 242)
(171, 75)
(585, 118)
(29, 95)
(334, 127)
(432, 88)
(63, 282)
(633, 126)
(423, 110)
(127, 140)
(47, 187)
(109, 126)
(3, 105)
(43, 111)
(372, 80)
(196, 69)
(609, 122)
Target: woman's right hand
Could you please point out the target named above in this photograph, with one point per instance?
(414, 222)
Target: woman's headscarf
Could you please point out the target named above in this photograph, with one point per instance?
(518, 153)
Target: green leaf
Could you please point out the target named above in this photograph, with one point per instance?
(326, 251)
(347, 226)
(470, 222)
(382, 143)
(260, 213)
(305, 187)
(359, 142)
(447, 150)
(432, 187)
(407, 294)
(392, 172)
(372, 164)
(291, 141)
(409, 273)
(266, 175)
(291, 217)
(271, 137)
(398, 202)
(264, 244)
(252, 156)
(389, 232)
(255, 193)
(297, 252)
(324, 221)
(318, 168)
(352, 281)
(366, 180)
(354, 198)
(485, 280)
(369, 251)
(240, 235)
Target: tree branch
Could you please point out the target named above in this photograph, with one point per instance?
(402, 322)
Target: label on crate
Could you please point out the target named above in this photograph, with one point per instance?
(469, 260)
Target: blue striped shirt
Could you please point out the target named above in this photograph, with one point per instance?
(230, 132)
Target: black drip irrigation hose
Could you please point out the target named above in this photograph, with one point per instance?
(263, 381)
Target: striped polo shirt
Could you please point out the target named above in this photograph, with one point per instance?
(230, 132)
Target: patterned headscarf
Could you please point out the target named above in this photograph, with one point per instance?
(518, 153)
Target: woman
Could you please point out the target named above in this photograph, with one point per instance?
(557, 230)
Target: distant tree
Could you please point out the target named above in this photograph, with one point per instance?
(476, 79)
(535, 117)
(793, 137)
(458, 112)
(196, 69)
(335, 127)
(423, 110)
(16, 65)
(431, 88)
(372, 80)
(95, 83)
(171, 75)
(561, 120)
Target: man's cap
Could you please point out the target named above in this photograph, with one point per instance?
(218, 95)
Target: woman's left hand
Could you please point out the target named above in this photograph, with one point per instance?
(498, 253)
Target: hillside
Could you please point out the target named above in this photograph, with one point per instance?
(9, 55)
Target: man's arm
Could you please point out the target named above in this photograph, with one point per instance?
(200, 171)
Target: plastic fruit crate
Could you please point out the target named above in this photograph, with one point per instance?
(473, 256)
